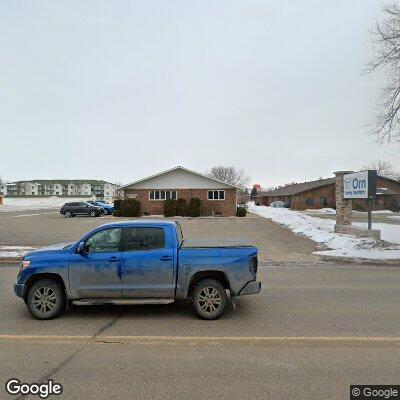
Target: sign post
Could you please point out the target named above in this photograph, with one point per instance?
(361, 185)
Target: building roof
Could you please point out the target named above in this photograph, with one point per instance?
(296, 188)
(177, 168)
(92, 182)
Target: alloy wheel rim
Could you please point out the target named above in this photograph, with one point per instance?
(209, 300)
(44, 300)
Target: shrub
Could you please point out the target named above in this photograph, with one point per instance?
(194, 209)
(241, 212)
(131, 208)
(117, 204)
(181, 207)
(170, 208)
(117, 213)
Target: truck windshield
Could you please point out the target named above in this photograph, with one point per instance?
(179, 233)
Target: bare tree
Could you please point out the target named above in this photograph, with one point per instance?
(231, 175)
(386, 45)
(383, 168)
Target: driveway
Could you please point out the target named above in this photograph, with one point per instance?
(45, 227)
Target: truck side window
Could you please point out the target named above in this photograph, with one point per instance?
(144, 239)
(105, 241)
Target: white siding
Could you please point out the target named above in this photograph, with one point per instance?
(178, 179)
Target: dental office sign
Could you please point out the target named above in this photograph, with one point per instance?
(359, 185)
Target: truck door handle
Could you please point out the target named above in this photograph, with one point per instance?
(113, 259)
(166, 258)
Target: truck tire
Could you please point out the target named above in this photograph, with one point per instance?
(209, 299)
(46, 299)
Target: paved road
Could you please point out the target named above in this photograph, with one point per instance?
(45, 227)
(311, 333)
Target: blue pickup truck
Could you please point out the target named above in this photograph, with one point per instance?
(137, 262)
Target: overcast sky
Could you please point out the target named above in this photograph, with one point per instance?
(119, 90)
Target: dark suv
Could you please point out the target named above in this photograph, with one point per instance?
(80, 208)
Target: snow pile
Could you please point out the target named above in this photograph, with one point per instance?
(322, 231)
(389, 232)
(36, 203)
(14, 251)
(374, 212)
(323, 210)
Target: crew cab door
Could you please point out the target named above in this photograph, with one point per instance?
(148, 260)
(96, 272)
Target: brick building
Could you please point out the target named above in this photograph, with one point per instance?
(217, 198)
(321, 194)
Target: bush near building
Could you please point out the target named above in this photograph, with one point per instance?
(241, 212)
(170, 208)
(117, 204)
(194, 209)
(131, 208)
(181, 207)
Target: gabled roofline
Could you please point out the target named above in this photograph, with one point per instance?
(184, 169)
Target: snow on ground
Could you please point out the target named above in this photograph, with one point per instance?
(395, 217)
(333, 211)
(323, 210)
(14, 251)
(389, 232)
(374, 212)
(36, 203)
(322, 231)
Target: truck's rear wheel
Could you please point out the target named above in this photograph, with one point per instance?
(46, 299)
(209, 299)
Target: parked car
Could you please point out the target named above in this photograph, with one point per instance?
(108, 208)
(80, 208)
(137, 262)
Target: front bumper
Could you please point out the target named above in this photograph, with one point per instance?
(19, 289)
(253, 287)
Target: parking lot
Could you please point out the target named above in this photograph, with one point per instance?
(318, 328)
(314, 329)
(45, 227)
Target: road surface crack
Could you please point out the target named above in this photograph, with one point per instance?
(64, 362)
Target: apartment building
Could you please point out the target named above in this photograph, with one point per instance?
(99, 189)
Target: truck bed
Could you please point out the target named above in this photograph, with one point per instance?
(214, 243)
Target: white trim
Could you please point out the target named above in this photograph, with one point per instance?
(184, 169)
(163, 190)
(216, 190)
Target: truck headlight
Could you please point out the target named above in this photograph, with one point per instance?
(25, 264)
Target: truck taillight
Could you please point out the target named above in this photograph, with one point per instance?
(253, 264)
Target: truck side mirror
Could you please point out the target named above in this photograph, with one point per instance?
(81, 248)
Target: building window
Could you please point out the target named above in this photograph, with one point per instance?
(309, 201)
(324, 201)
(216, 195)
(160, 195)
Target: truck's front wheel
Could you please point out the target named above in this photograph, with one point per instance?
(46, 299)
(209, 299)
